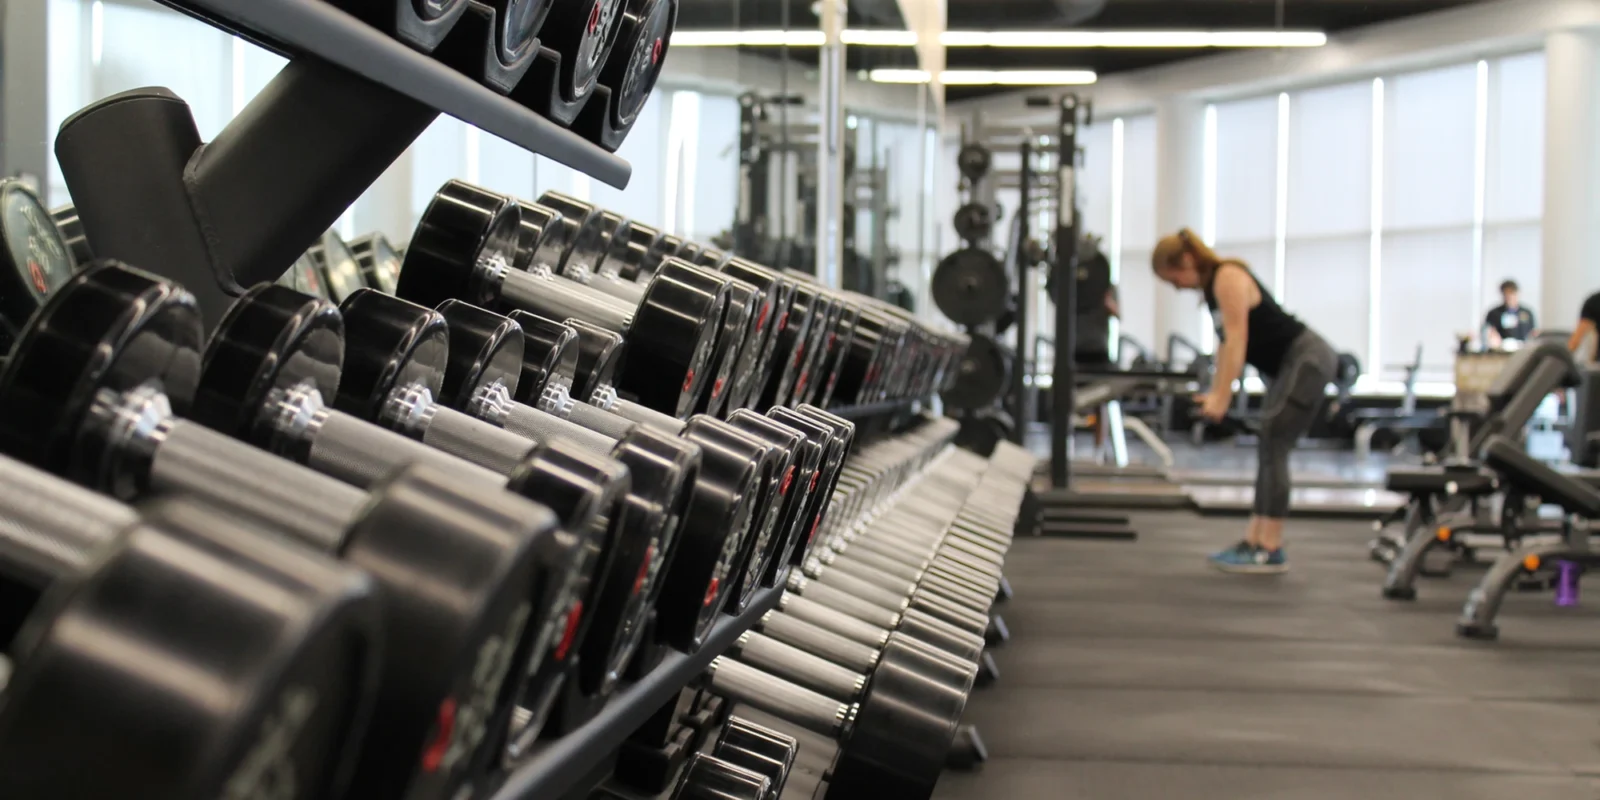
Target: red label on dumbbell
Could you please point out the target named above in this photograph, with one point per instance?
(655, 52)
(573, 618)
(788, 478)
(443, 728)
(594, 18)
(688, 380)
(716, 389)
(761, 319)
(711, 591)
(644, 569)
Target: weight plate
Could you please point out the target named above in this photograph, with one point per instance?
(982, 374)
(549, 356)
(650, 38)
(37, 259)
(379, 262)
(981, 432)
(542, 236)
(973, 160)
(518, 26)
(271, 340)
(71, 228)
(465, 232)
(486, 350)
(109, 327)
(582, 34)
(389, 343)
(970, 287)
(600, 353)
(336, 265)
(974, 222)
(672, 338)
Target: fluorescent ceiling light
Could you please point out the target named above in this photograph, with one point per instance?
(879, 38)
(747, 38)
(1049, 39)
(1082, 38)
(984, 77)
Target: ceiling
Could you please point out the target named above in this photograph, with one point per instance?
(1330, 16)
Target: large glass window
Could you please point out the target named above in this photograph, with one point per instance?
(1246, 184)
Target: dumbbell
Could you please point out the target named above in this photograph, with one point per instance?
(304, 277)
(379, 261)
(575, 41)
(495, 41)
(893, 736)
(464, 248)
(278, 353)
(630, 73)
(37, 259)
(840, 335)
(67, 223)
(578, 242)
(290, 644)
(86, 394)
(759, 749)
(707, 777)
(790, 339)
(422, 24)
(336, 266)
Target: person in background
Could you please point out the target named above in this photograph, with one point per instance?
(1296, 362)
(1093, 334)
(1509, 321)
(1588, 323)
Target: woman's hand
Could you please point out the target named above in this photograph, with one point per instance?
(1213, 405)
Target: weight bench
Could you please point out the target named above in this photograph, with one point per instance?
(1516, 393)
(1579, 501)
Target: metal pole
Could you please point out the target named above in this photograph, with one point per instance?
(1065, 266)
(830, 145)
(1021, 372)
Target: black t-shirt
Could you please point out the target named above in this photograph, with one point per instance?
(1514, 323)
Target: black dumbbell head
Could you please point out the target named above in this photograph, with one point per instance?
(379, 261)
(630, 74)
(336, 265)
(673, 337)
(549, 355)
(600, 353)
(485, 348)
(464, 226)
(389, 343)
(517, 24)
(542, 233)
(110, 327)
(271, 340)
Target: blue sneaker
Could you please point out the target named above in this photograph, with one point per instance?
(1245, 558)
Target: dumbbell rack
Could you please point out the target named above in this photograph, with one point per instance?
(351, 100)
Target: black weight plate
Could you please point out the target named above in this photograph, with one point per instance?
(550, 355)
(389, 344)
(839, 343)
(36, 256)
(663, 248)
(973, 160)
(287, 642)
(464, 232)
(271, 340)
(627, 259)
(713, 535)
(336, 265)
(982, 374)
(710, 778)
(798, 504)
(379, 261)
(673, 337)
(630, 73)
(109, 327)
(789, 350)
(543, 235)
(982, 431)
(517, 24)
(974, 222)
(582, 33)
(779, 290)
(858, 370)
(751, 343)
(486, 350)
(773, 537)
(970, 287)
(600, 354)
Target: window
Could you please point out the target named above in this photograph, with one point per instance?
(1246, 184)
(1514, 179)
(1136, 235)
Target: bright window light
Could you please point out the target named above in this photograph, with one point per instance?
(899, 76)
(97, 32)
(879, 38)
(748, 38)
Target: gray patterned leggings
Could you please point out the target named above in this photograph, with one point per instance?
(1294, 398)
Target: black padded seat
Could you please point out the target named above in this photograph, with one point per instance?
(1535, 477)
(1440, 480)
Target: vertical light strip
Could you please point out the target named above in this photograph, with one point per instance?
(691, 157)
(1375, 246)
(474, 150)
(347, 224)
(1208, 216)
(582, 186)
(238, 97)
(1480, 185)
(1281, 222)
(97, 31)
(682, 128)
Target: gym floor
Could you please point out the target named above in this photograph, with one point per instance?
(1136, 671)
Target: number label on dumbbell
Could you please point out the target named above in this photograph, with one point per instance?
(267, 772)
(464, 731)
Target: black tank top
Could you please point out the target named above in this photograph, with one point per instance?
(1270, 328)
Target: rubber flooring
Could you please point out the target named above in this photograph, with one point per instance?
(1135, 671)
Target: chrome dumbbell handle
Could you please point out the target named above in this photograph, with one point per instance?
(820, 641)
(803, 668)
(775, 695)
